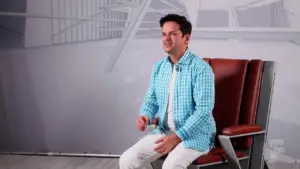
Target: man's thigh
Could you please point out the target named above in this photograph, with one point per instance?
(181, 158)
(142, 152)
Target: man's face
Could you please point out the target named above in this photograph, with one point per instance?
(172, 38)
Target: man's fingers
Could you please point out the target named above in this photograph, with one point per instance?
(159, 140)
(141, 121)
(146, 119)
(141, 124)
(160, 148)
(155, 121)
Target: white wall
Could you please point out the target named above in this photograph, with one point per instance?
(67, 100)
(293, 7)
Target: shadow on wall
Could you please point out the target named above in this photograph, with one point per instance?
(4, 126)
(21, 128)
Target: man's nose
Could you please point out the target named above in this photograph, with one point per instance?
(167, 37)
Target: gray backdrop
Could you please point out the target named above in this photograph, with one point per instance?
(73, 73)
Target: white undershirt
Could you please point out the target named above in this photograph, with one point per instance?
(170, 104)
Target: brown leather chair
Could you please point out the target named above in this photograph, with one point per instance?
(242, 107)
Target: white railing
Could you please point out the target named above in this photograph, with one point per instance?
(73, 21)
(83, 18)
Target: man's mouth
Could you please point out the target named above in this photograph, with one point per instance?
(168, 44)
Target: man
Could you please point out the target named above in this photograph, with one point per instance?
(182, 95)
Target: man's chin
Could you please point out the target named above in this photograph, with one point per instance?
(167, 50)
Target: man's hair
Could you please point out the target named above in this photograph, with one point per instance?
(184, 25)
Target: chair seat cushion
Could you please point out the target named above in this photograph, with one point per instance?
(215, 155)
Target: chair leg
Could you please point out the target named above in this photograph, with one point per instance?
(157, 164)
(232, 159)
(266, 165)
(257, 160)
(152, 166)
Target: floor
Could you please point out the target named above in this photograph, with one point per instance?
(47, 162)
(51, 162)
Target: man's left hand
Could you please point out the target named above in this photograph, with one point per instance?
(167, 143)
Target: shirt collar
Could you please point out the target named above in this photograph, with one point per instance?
(184, 59)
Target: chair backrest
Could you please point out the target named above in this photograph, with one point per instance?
(237, 91)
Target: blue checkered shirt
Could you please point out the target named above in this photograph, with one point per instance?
(193, 101)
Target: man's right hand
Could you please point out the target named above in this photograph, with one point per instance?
(142, 122)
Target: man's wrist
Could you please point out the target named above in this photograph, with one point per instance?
(178, 139)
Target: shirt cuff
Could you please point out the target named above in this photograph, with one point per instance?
(181, 134)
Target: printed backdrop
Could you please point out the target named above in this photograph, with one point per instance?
(73, 73)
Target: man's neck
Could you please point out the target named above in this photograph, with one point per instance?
(175, 57)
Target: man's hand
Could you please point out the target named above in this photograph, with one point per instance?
(142, 122)
(167, 143)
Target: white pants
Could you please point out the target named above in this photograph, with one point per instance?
(142, 154)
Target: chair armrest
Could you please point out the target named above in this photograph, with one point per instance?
(246, 129)
(234, 132)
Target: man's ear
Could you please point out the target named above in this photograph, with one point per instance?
(187, 37)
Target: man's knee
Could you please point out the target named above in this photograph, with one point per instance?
(129, 160)
(174, 164)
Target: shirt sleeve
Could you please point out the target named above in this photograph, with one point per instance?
(204, 97)
(149, 106)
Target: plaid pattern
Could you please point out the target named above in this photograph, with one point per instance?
(193, 101)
